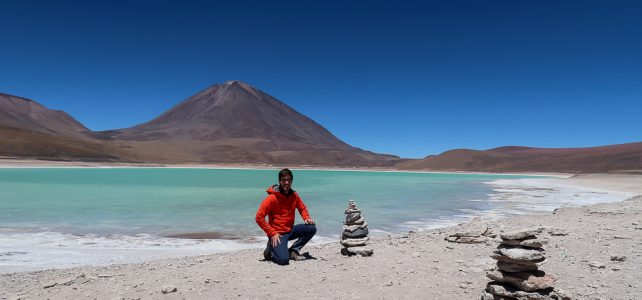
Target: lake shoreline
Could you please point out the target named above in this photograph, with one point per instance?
(34, 163)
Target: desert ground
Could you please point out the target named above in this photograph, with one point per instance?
(595, 252)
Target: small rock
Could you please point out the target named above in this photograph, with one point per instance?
(166, 289)
(557, 232)
(49, 285)
(618, 258)
(597, 264)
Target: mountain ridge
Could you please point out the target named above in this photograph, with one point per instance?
(607, 158)
(232, 122)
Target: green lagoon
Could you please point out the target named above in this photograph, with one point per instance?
(166, 201)
(59, 217)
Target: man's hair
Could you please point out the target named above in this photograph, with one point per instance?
(284, 172)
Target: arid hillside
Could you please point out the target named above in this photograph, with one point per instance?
(522, 159)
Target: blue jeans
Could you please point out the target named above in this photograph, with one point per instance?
(302, 232)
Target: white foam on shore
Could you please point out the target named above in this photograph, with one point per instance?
(519, 196)
(28, 251)
(514, 197)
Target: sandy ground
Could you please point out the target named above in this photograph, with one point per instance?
(420, 265)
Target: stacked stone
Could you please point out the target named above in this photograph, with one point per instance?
(355, 232)
(518, 276)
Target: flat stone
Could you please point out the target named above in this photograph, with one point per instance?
(530, 242)
(511, 267)
(348, 242)
(359, 221)
(466, 239)
(351, 211)
(469, 234)
(351, 217)
(499, 257)
(518, 253)
(356, 234)
(510, 292)
(363, 251)
(518, 235)
(352, 228)
(597, 264)
(525, 281)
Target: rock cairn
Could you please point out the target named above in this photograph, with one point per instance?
(518, 276)
(355, 232)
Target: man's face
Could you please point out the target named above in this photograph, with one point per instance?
(286, 183)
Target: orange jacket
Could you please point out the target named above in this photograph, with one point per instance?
(280, 211)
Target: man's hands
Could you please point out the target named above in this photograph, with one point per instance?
(275, 240)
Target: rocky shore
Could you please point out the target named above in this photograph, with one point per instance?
(594, 252)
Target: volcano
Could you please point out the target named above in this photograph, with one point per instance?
(235, 122)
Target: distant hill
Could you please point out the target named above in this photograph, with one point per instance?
(18, 112)
(28, 129)
(522, 159)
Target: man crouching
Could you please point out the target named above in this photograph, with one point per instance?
(279, 206)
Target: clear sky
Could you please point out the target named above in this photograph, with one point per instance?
(400, 77)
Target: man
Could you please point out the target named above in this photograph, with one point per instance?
(279, 206)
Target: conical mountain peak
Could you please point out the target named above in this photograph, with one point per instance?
(236, 122)
(233, 109)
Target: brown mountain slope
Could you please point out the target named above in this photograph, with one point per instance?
(237, 123)
(26, 114)
(28, 129)
(520, 159)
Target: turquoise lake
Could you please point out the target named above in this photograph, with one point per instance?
(166, 201)
(66, 217)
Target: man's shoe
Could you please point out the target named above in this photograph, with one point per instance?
(266, 253)
(296, 256)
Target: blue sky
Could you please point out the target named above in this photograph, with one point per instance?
(405, 78)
